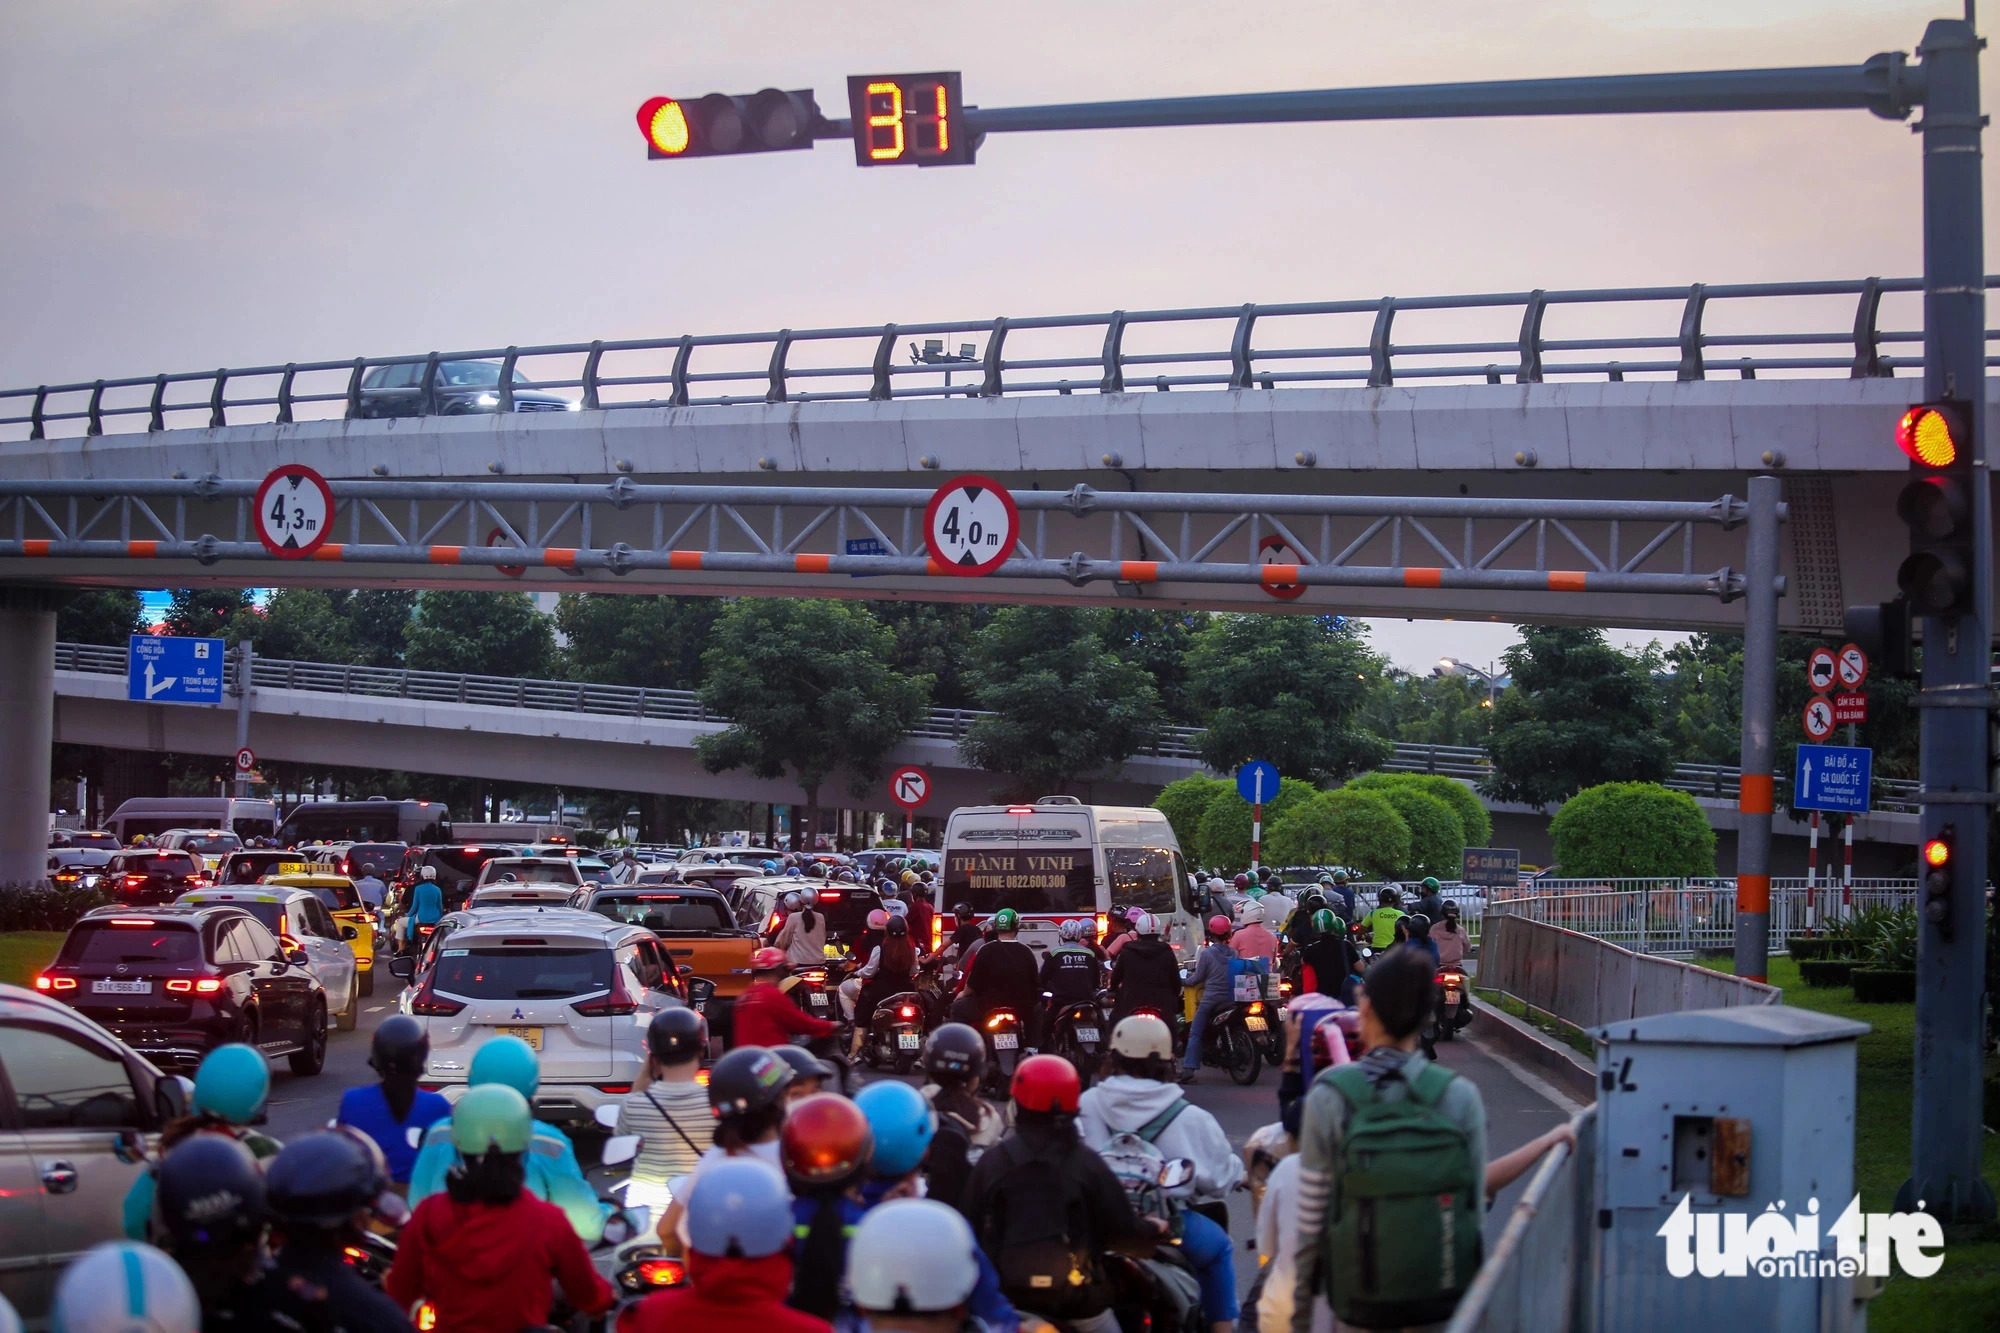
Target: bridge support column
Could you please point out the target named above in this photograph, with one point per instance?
(27, 729)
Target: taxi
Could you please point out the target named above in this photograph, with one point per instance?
(337, 892)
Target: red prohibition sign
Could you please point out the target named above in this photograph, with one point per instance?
(960, 523)
(1284, 592)
(511, 571)
(293, 512)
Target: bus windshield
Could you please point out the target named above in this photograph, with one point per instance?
(364, 821)
(1145, 878)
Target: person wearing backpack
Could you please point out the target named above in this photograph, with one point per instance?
(1045, 1207)
(1137, 1120)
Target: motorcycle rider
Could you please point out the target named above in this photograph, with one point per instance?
(764, 1014)
(968, 1124)
(803, 936)
(1332, 958)
(369, 886)
(825, 1147)
(387, 1111)
(865, 944)
(912, 1266)
(1140, 1097)
(667, 1107)
(1002, 976)
(1430, 900)
(1252, 939)
(230, 1088)
(322, 1191)
(1117, 930)
(486, 1253)
(426, 907)
(1070, 972)
(746, 1099)
(1449, 938)
(1300, 928)
(123, 1285)
(1416, 929)
(1381, 922)
(1335, 885)
(890, 970)
(1145, 973)
(210, 1203)
(810, 1074)
(1211, 975)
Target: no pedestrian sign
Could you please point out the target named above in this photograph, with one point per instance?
(971, 526)
(909, 787)
(1818, 718)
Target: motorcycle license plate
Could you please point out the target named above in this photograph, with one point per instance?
(533, 1036)
(908, 1041)
(1006, 1041)
(1254, 1022)
(121, 988)
(817, 999)
(1451, 995)
(1086, 1034)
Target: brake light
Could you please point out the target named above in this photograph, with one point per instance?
(829, 895)
(133, 921)
(430, 1004)
(701, 1077)
(47, 982)
(620, 1088)
(198, 986)
(999, 1017)
(427, 1317)
(1440, 978)
(1254, 1007)
(777, 919)
(662, 1272)
(615, 1002)
(1103, 925)
(135, 881)
(1020, 809)
(937, 932)
(907, 1012)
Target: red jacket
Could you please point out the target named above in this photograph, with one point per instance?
(765, 1016)
(724, 1296)
(491, 1268)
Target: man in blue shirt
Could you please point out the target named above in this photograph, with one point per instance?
(388, 1111)
(369, 887)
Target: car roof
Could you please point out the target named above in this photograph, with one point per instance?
(699, 890)
(310, 881)
(19, 1001)
(248, 893)
(522, 891)
(192, 913)
(555, 923)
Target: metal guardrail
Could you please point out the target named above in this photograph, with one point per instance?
(1585, 981)
(1674, 916)
(1484, 337)
(1536, 1278)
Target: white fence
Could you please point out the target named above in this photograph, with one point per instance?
(1585, 981)
(1678, 916)
(1535, 1279)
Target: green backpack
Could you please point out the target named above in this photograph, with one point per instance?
(1403, 1220)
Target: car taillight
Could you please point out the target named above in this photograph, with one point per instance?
(196, 986)
(432, 1005)
(612, 1003)
(47, 982)
(777, 919)
(620, 1088)
(135, 881)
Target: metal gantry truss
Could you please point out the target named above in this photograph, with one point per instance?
(1079, 535)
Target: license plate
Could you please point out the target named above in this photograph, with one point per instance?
(817, 999)
(1255, 1022)
(908, 1041)
(121, 988)
(1006, 1041)
(1451, 995)
(1086, 1034)
(533, 1036)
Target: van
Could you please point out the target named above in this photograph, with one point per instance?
(520, 832)
(1059, 858)
(147, 816)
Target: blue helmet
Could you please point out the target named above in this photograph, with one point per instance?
(740, 1209)
(509, 1061)
(792, 872)
(770, 867)
(903, 1123)
(232, 1083)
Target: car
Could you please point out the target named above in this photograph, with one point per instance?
(846, 906)
(384, 856)
(78, 867)
(175, 981)
(751, 857)
(300, 920)
(694, 924)
(529, 870)
(458, 388)
(595, 870)
(84, 837)
(341, 898)
(578, 988)
(143, 877)
(210, 845)
(557, 849)
(254, 865)
(513, 894)
(83, 1112)
(457, 866)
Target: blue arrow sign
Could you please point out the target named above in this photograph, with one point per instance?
(162, 669)
(1257, 781)
(1833, 777)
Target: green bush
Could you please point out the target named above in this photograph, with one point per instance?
(1185, 802)
(1639, 830)
(1893, 943)
(1876, 985)
(1826, 971)
(45, 907)
(1460, 797)
(1437, 836)
(1223, 839)
(1357, 829)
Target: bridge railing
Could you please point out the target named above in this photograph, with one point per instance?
(1686, 333)
(1585, 980)
(1537, 1277)
(1677, 916)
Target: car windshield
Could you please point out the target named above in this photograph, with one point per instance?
(249, 867)
(846, 910)
(462, 862)
(104, 944)
(93, 840)
(1143, 877)
(271, 914)
(164, 863)
(667, 913)
(337, 897)
(472, 374)
(522, 974)
(212, 844)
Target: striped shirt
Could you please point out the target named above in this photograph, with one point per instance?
(675, 1127)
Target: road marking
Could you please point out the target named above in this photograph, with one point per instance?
(1535, 1082)
(376, 1008)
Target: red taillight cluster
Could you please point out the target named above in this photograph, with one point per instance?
(907, 1011)
(196, 986)
(430, 1004)
(135, 881)
(618, 1088)
(614, 1003)
(47, 982)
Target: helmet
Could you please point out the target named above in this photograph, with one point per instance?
(1431, 884)
(1086, 930)
(1312, 900)
(428, 872)
(908, 878)
(739, 1209)
(1242, 881)
(1139, 1036)
(675, 1036)
(232, 1083)
(826, 1140)
(844, 875)
(955, 1050)
(770, 867)
(399, 1046)
(926, 875)
(1255, 892)
(1323, 919)
(792, 872)
(507, 1060)
(1340, 877)
(747, 1079)
(898, 927)
(1325, 878)
(794, 901)
(324, 1179)
(817, 870)
(1419, 923)
(1267, 873)
(963, 911)
(1389, 894)
(877, 919)
(1450, 908)
(1215, 884)
(1071, 930)
(1006, 921)
(912, 1256)
(491, 1117)
(1146, 924)
(125, 1287)
(896, 907)
(804, 1063)
(903, 1123)
(209, 1191)
(1250, 914)
(1219, 925)
(1043, 1083)
(767, 959)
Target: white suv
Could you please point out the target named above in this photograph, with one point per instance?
(529, 870)
(577, 987)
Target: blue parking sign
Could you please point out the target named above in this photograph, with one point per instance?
(1832, 777)
(164, 669)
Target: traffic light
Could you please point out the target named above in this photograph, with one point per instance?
(1936, 869)
(721, 123)
(1883, 632)
(1936, 506)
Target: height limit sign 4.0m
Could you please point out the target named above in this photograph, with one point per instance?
(293, 512)
(971, 526)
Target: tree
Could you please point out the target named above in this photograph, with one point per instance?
(1471, 811)
(1579, 713)
(808, 688)
(378, 621)
(1428, 710)
(619, 639)
(1185, 802)
(212, 613)
(1064, 704)
(1157, 642)
(1223, 839)
(110, 618)
(1288, 689)
(1437, 834)
(931, 639)
(1620, 830)
(1356, 829)
(306, 624)
(481, 634)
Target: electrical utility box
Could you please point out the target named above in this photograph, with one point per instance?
(1736, 1111)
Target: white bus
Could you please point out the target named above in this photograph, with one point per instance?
(1059, 858)
(148, 816)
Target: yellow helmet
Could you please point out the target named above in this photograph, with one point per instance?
(909, 878)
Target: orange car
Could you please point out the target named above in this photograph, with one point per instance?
(694, 924)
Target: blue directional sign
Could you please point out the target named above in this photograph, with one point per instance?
(1257, 781)
(1833, 777)
(162, 669)
(865, 546)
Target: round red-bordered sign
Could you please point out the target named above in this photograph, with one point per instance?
(293, 512)
(909, 787)
(1852, 666)
(971, 526)
(1282, 591)
(1818, 718)
(246, 759)
(1820, 670)
(511, 571)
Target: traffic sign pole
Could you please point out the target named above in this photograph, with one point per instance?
(243, 656)
(909, 830)
(1256, 835)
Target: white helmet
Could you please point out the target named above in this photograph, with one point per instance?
(125, 1287)
(1139, 1036)
(912, 1256)
(1250, 913)
(1216, 885)
(1146, 924)
(793, 902)
(428, 872)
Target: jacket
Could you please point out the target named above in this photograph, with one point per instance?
(804, 946)
(764, 1016)
(1069, 972)
(552, 1175)
(1331, 958)
(1004, 972)
(426, 902)
(724, 1296)
(492, 1267)
(1211, 973)
(1122, 1103)
(1450, 946)
(1146, 973)
(1255, 941)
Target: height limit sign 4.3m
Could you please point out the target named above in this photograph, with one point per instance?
(293, 511)
(971, 526)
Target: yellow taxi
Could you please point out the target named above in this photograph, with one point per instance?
(337, 892)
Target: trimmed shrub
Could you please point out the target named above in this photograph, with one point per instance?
(1357, 829)
(1881, 985)
(1460, 797)
(1827, 971)
(1222, 841)
(1437, 836)
(1636, 830)
(1185, 802)
(46, 907)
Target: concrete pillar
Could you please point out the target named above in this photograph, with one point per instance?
(27, 730)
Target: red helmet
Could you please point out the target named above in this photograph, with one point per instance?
(1046, 1083)
(767, 959)
(1219, 925)
(1242, 881)
(826, 1140)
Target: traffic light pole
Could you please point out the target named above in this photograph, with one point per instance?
(1760, 705)
(1945, 1138)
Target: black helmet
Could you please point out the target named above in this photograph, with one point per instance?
(676, 1036)
(209, 1192)
(804, 1063)
(1312, 900)
(324, 1179)
(963, 911)
(747, 1080)
(897, 928)
(957, 1051)
(399, 1046)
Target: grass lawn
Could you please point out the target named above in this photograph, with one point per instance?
(26, 952)
(1574, 1037)
(1965, 1294)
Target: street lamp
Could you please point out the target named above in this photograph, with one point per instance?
(1491, 675)
(934, 354)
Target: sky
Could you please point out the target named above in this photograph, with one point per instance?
(253, 181)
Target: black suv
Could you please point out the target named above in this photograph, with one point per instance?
(144, 876)
(175, 982)
(458, 388)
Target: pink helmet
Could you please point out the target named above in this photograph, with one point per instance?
(1218, 925)
(878, 919)
(767, 960)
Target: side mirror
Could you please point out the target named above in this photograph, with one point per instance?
(606, 1115)
(173, 1094)
(402, 968)
(296, 955)
(349, 933)
(619, 1149)
(685, 969)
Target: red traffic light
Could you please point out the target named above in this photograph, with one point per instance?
(721, 124)
(665, 126)
(1929, 435)
(1937, 852)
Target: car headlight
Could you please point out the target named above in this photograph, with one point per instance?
(488, 400)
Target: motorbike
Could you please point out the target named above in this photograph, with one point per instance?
(1233, 1040)
(895, 1036)
(813, 991)
(1160, 1294)
(1453, 1009)
(1076, 1031)
(1004, 1033)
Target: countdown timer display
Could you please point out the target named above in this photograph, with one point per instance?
(908, 120)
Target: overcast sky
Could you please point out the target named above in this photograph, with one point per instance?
(249, 181)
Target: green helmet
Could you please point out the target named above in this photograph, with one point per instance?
(232, 1083)
(1006, 921)
(1323, 919)
(508, 1061)
(1340, 877)
(491, 1117)
(1431, 885)
(1256, 892)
